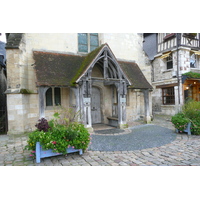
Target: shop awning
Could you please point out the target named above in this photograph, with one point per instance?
(196, 52)
(165, 55)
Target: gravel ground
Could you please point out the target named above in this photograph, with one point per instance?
(139, 137)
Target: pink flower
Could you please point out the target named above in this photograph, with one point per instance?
(68, 146)
(30, 155)
(32, 151)
(54, 142)
(73, 147)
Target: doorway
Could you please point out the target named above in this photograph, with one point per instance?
(96, 106)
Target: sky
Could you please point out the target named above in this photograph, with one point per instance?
(3, 37)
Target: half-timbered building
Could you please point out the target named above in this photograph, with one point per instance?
(95, 74)
(175, 61)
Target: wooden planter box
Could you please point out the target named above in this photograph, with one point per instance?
(187, 130)
(40, 153)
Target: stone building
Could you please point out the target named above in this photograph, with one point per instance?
(175, 59)
(3, 115)
(106, 77)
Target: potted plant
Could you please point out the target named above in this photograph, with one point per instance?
(52, 138)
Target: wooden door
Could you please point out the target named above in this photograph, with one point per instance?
(96, 105)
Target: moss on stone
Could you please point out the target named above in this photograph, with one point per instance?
(25, 91)
(88, 59)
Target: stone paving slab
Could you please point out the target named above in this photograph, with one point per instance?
(184, 150)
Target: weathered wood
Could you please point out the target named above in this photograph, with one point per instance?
(96, 105)
(105, 65)
(42, 91)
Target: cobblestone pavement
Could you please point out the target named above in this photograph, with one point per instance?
(183, 151)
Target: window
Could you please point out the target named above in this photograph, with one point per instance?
(169, 61)
(168, 96)
(53, 97)
(87, 42)
(192, 60)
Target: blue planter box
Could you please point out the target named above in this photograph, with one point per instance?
(40, 153)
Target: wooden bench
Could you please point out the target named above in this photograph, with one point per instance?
(113, 121)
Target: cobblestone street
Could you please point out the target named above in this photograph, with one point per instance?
(183, 151)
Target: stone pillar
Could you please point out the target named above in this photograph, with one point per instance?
(146, 104)
(122, 90)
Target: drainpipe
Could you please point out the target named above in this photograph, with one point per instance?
(178, 79)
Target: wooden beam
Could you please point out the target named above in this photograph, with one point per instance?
(167, 85)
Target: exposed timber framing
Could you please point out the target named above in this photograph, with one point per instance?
(112, 75)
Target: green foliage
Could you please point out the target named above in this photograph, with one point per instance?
(180, 121)
(192, 110)
(190, 113)
(59, 136)
(42, 125)
(192, 74)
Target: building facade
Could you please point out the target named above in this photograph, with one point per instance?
(175, 59)
(3, 113)
(106, 77)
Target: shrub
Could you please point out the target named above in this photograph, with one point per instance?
(190, 113)
(42, 125)
(180, 121)
(192, 110)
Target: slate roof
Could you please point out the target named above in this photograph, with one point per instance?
(56, 69)
(14, 40)
(135, 75)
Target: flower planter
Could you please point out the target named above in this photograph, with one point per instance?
(187, 130)
(40, 153)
